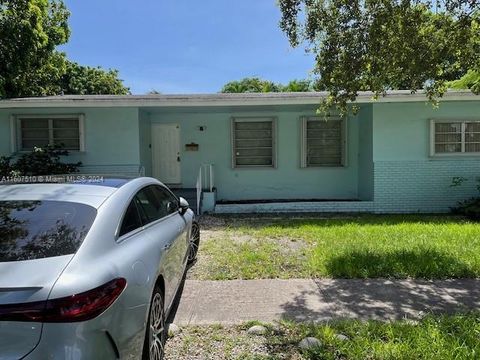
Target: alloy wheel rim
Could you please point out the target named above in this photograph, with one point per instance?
(194, 242)
(157, 328)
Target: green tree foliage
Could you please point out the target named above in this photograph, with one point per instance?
(30, 30)
(257, 85)
(298, 86)
(471, 80)
(30, 65)
(250, 85)
(379, 45)
(86, 80)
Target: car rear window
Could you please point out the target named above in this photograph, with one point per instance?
(40, 229)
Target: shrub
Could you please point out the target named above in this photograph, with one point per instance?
(40, 161)
(470, 207)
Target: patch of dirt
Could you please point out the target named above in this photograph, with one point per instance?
(231, 342)
(208, 222)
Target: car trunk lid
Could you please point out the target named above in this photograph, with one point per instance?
(23, 283)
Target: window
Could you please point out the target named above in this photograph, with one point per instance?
(455, 137)
(168, 202)
(157, 202)
(253, 141)
(41, 229)
(323, 142)
(131, 220)
(38, 131)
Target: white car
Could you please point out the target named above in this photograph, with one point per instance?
(91, 270)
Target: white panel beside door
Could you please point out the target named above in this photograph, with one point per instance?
(166, 153)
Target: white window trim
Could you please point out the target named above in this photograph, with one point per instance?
(274, 120)
(456, 154)
(303, 141)
(15, 126)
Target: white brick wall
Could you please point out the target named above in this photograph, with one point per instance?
(399, 187)
(291, 207)
(423, 186)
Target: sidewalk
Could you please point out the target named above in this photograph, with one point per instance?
(237, 301)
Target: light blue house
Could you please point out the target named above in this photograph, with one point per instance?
(267, 152)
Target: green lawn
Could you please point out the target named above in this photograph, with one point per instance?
(434, 337)
(412, 246)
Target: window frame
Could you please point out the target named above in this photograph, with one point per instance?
(16, 129)
(463, 122)
(234, 120)
(343, 141)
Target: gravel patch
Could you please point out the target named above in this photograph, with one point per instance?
(227, 342)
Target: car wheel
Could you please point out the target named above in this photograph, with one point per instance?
(156, 333)
(194, 243)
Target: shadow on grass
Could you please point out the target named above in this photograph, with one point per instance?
(399, 264)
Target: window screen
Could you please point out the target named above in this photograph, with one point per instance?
(456, 137)
(472, 137)
(323, 142)
(253, 142)
(448, 137)
(42, 131)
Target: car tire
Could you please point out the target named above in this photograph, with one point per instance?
(194, 244)
(156, 332)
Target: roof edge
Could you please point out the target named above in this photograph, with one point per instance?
(200, 100)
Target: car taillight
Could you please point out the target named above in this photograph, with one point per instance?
(78, 307)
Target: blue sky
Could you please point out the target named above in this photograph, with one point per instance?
(184, 46)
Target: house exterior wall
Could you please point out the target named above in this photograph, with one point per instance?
(365, 154)
(111, 135)
(145, 141)
(406, 177)
(389, 167)
(287, 181)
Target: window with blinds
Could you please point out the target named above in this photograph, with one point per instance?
(253, 142)
(455, 137)
(323, 142)
(40, 131)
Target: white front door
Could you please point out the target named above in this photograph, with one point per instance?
(166, 153)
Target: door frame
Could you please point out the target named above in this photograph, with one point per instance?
(154, 163)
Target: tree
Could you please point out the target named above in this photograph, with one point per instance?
(298, 86)
(471, 80)
(257, 85)
(30, 30)
(379, 45)
(30, 65)
(86, 80)
(250, 85)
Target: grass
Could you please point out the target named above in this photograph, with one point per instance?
(434, 337)
(407, 246)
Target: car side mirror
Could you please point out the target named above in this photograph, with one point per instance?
(183, 205)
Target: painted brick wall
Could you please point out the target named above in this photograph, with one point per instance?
(423, 186)
(296, 207)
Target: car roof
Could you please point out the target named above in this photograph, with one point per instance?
(93, 195)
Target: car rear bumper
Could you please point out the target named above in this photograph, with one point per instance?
(72, 342)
